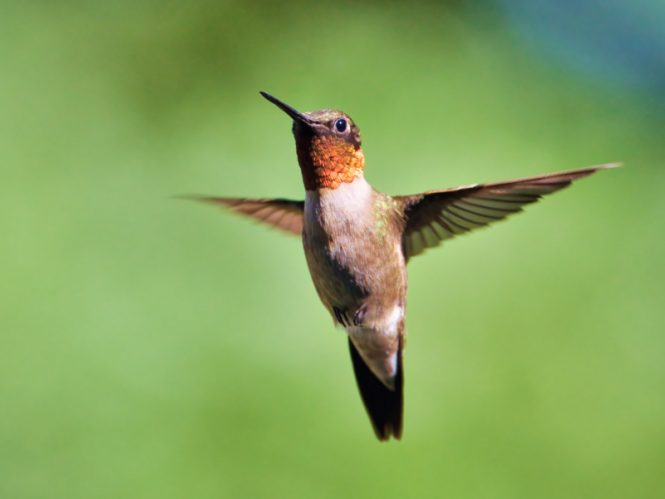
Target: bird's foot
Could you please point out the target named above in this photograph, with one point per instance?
(342, 316)
(359, 315)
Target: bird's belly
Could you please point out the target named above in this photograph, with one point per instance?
(361, 285)
(366, 298)
(337, 284)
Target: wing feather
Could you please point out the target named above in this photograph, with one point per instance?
(435, 216)
(284, 214)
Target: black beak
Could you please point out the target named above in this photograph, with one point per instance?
(296, 115)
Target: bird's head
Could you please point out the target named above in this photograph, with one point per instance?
(328, 146)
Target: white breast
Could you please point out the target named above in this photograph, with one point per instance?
(346, 203)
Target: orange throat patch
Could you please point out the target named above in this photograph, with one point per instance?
(329, 162)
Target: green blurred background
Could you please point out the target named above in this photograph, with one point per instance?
(155, 348)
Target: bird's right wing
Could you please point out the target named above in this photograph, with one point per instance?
(431, 217)
(283, 214)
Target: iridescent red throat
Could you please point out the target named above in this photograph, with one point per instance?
(329, 161)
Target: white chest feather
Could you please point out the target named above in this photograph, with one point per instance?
(343, 211)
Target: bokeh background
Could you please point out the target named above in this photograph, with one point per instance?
(151, 347)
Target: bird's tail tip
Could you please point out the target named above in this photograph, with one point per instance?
(384, 406)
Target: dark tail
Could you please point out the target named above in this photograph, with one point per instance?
(383, 405)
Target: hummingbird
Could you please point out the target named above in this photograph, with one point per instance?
(358, 241)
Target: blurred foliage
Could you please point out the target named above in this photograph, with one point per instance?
(153, 348)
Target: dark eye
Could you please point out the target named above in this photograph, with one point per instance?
(340, 125)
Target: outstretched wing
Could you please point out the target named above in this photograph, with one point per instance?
(431, 217)
(283, 214)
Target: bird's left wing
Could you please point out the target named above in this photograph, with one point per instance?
(283, 214)
(431, 217)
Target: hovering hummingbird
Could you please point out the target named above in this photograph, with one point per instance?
(358, 241)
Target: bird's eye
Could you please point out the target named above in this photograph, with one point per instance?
(340, 125)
